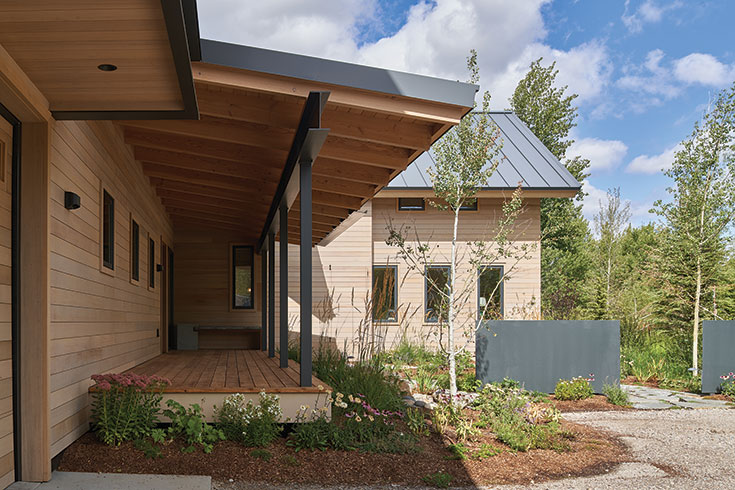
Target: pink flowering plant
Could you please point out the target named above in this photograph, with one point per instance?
(727, 386)
(125, 406)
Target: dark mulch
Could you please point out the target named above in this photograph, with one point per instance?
(598, 403)
(591, 452)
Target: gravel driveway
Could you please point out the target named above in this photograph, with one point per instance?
(672, 449)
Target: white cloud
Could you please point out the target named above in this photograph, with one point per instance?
(602, 154)
(704, 69)
(591, 202)
(651, 164)
(649, 12)
(435, 39)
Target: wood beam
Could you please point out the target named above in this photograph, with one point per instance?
(348, 202)
(242, 213)
(205, 190)
(422, 110)
(208, 179)
(247, 106)
(203, 147)
(205, 164)
(185, 222)
(213, 217)
(371, 154)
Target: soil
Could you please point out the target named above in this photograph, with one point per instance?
(597, 403)
(591, 452)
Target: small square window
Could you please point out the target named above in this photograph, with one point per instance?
(469, 206)
(411, 204)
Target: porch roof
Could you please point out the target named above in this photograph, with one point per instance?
(222, 171)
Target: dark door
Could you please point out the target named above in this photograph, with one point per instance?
(170, 288)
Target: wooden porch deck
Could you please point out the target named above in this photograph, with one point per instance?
(226, 371)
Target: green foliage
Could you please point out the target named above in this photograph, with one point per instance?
(416, 422)
(261, 454)
(487, 451)
(550, 114)
(189, 424)
(727, 386)
(311, 435)
(459, 451)
(615, 395)
(125, 406)
(577, 388)
(439, 479)
(150, 451)
(253, 425)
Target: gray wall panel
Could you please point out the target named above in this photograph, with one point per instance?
(540, 353)
(718, 353)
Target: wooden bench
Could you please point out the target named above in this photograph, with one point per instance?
(227, 337)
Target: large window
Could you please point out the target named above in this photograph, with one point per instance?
(490, 292)
(108, 230)
(435, 292)
(411, 204)
(385, 293)
(151, 263)
(134, 250)
(242, 277)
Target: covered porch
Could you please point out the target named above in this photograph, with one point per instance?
(286, 148)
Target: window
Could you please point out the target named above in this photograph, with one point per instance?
(435, 289)
(490, 292)
(134, 250)
(242, 277)
(411, 204)
(108, 230)
(385, 293)
(151, 263)
(469, 206)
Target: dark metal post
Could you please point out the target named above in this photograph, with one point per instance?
(283, 250)
(271, 295)
(305, 271)
(264, 299)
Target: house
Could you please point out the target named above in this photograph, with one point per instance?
(365, 297)
(147, 179)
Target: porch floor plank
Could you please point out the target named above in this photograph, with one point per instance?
(226, 371)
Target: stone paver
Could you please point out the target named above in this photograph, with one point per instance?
(646, 398)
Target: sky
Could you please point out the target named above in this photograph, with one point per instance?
(644, 70)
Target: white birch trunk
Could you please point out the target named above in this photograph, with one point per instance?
(450, 319)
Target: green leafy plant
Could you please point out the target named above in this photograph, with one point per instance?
(125, 406)
(439, 479)
(615, 395)
(189, 424)
(486, 451)
(248, 423)
(261, 454)
(424, 381)
(459, 451)
(150, 451)
(577, 388)
(290, 460)
(310, 435)
(416, 422)
(727, 387)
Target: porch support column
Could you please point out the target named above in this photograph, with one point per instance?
(264, 298)
(271, 295)
(283, 240)
(305, 297)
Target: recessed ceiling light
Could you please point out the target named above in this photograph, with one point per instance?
(107, 67)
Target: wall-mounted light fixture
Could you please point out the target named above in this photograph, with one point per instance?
(159, 267)
(107, 67)
(71, 200)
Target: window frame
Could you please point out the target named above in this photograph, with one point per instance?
(134, 251)
(446, 267)
(233, 277)
(410, 210)
(107, 264)
(394, 317)
(474, 208)
(502, 289)
(151, 262)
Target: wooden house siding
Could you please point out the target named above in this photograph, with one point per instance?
(100, 321)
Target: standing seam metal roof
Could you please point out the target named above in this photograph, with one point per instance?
(523, 158)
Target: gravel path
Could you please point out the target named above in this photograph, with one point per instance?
(688, 449)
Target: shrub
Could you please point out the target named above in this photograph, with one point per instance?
(261, 454)
(314, 434)
(248, 423)
(439, 479)
(125, 406)
(616, 395)
(416, 422)
(189, 423)
(577, 388)
(727, 387)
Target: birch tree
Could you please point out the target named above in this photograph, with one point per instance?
(700, 211)
(610, 222)
(464, 160)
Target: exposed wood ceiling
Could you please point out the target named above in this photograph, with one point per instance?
(221, 172)
(60, 43)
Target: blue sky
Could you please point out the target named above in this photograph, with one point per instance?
(644, 69)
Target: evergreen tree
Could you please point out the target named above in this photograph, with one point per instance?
(565, 262)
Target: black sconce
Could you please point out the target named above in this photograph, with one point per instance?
(159, 267)
(71, 200)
